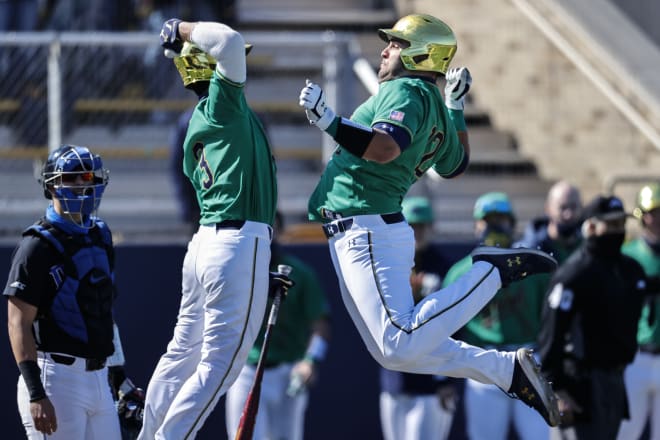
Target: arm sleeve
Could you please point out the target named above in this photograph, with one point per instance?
(29, 276)
(225, 45)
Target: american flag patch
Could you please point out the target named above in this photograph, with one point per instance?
(396, 115)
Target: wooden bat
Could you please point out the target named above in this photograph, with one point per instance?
(251, 407)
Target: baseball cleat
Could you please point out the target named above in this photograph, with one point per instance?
(515, 264)
(532, 388)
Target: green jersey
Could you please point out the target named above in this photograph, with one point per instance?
(354, 186)
(228, 159)
(650, 261)
(304, 304)
(511, 318)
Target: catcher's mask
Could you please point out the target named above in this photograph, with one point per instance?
(76, 177)
(432, 42)
(195, 65)
(648, 199)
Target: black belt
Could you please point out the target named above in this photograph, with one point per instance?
(230, 224)
(90, 364)
(650, 348)
(333, 228)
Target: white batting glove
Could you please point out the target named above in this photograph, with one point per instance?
(312, 99)
(458, 81)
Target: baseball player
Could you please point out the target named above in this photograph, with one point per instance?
(641, 377)
(391, 140)
(510, 320)
(60, 293)
(225, 271)
(298, 345)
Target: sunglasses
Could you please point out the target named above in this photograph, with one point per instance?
(72, 177)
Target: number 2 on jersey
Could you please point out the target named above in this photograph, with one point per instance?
(436, 138)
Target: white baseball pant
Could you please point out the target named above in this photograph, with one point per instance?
(373, 261)
(413, 417)
(82, 400)
(224, 295)
(279, 416)
(489, 412)
(643, 388)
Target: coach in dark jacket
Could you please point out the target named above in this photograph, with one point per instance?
(589, 325)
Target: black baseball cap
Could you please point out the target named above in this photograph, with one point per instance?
(605, 208)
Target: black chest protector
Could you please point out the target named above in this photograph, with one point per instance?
(82, 305)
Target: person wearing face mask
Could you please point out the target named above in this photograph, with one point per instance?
(557, 232)
(510, 320)
(589, 325)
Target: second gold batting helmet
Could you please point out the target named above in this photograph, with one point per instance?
(195, 65)
(647, 199)
(432, 42)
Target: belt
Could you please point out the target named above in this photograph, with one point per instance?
(90, 364)
(650, 348)
(335, 227)
(230, 224)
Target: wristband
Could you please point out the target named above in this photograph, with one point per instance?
(317, 349)
(458, 118)
(353, 137)
(32, 377)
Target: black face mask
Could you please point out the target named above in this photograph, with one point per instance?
(495, 235)
(566, 230)
(608, 245)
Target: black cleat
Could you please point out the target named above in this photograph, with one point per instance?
(515, 264)
(532, 388)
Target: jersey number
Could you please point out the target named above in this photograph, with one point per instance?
(435, 140)
(198, 153)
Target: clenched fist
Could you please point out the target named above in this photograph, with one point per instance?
(312, 99)
(458, 81)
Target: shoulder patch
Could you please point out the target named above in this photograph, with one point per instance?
(560, 298)
(17, 285)
(396, 115)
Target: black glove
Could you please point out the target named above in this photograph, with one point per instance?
(130, 407)
(169, 35)
(278, 281)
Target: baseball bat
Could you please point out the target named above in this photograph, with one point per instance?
(249, 414)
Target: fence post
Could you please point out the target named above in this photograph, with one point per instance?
(54, 95)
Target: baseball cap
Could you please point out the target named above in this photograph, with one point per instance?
(604, 208)
(491, 203)
(417, 210)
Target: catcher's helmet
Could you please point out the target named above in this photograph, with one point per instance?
(195, 65)
(493, 202)
(432, 42)
(76, 177)
(647, 199)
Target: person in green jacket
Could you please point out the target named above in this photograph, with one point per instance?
(642, 379)
(509, 321)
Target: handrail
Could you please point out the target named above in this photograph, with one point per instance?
(590, 71)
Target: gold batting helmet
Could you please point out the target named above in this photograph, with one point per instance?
(647, 199)
(432, 42)
(195, 65)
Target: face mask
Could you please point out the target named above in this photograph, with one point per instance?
(567, 230)
(495, 235)
(608, 245)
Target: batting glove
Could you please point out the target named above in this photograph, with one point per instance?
(312, 99)
(170, 40)
(458, 81)
(281, 282)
